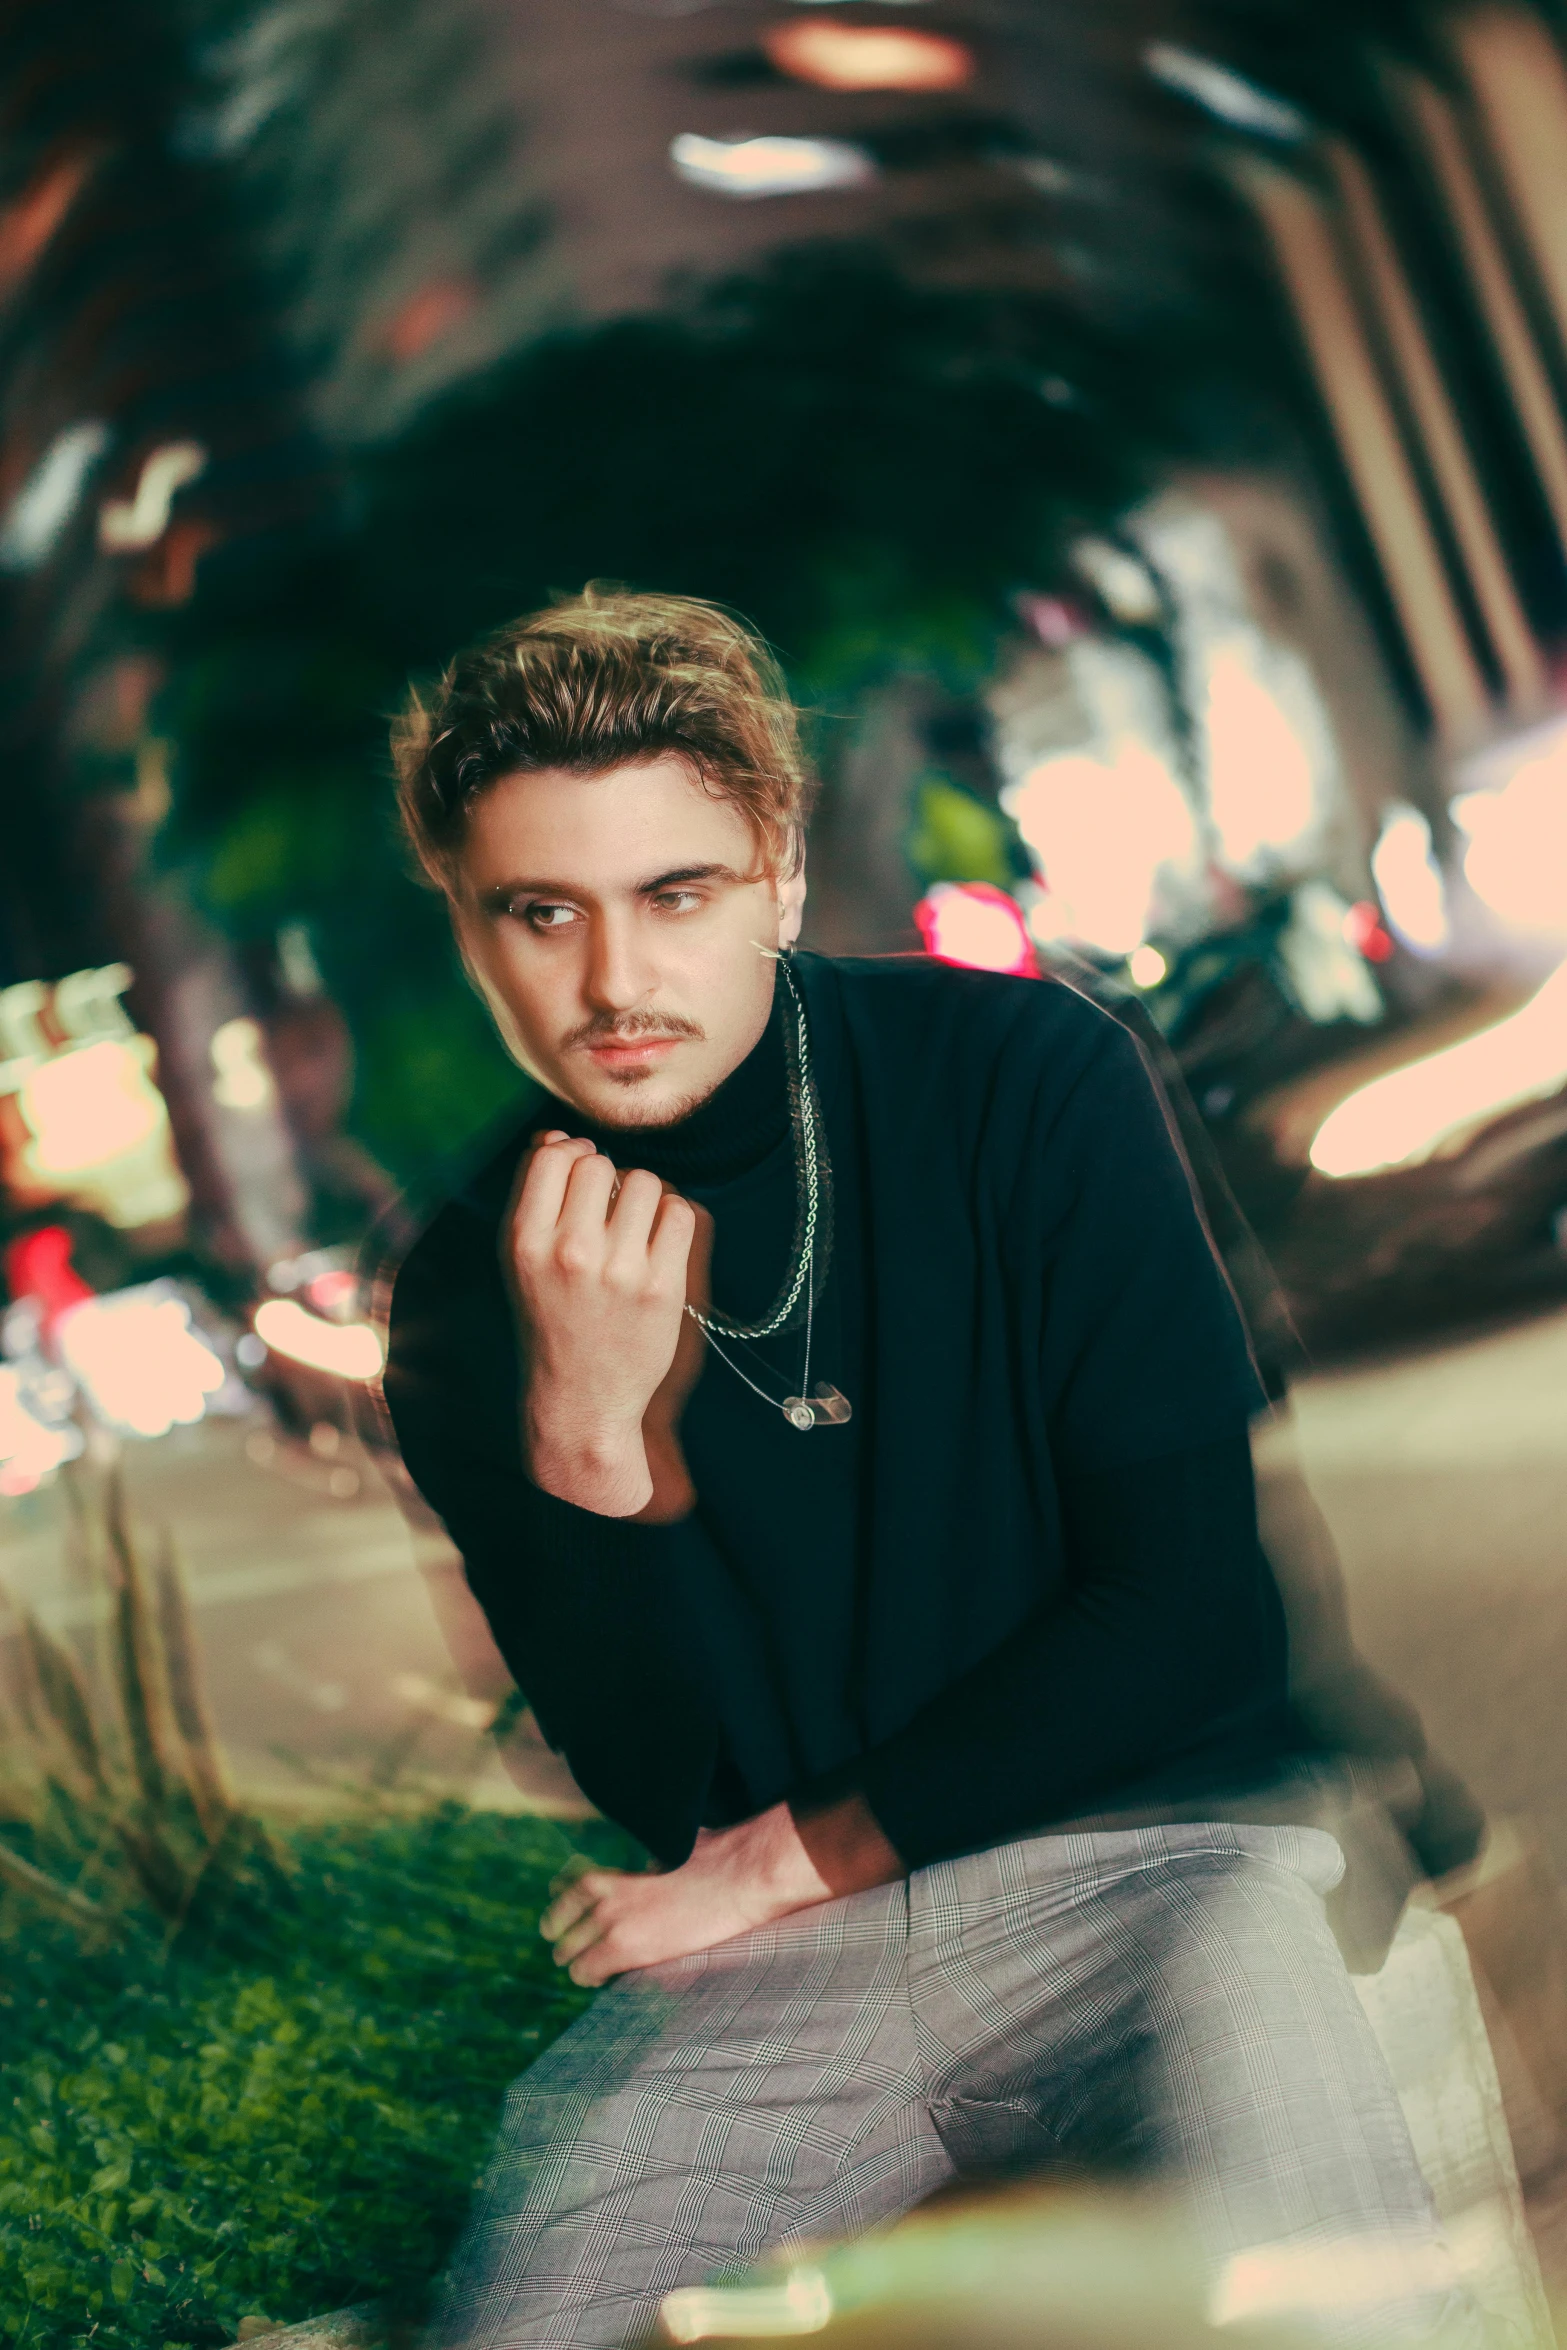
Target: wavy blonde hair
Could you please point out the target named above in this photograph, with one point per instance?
(602, 680)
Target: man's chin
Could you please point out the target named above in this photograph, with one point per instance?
(637, 1099)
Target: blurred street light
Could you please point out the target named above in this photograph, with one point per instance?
(1516, 858)
(1430, 1105)
(1409, 880)
(138, 1361)
(348, 1350)
(769, 166)
(1221, 91)
(978, 925)
(38, 515)
(867, 57)
(127, 525)
(1101, 829)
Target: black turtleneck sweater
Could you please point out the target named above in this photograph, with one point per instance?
(1022, 1583)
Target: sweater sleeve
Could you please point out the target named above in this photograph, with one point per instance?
(1164, 1663)
(590, 1613)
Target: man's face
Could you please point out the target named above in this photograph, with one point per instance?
(612, 923)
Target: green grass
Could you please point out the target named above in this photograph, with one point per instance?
(284, 2116)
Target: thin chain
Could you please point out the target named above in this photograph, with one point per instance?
(808, 1175)
(747, 1381)
(810, 1308)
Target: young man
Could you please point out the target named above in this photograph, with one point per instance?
(843, 1420)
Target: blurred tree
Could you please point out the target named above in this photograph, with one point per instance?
(958, 838)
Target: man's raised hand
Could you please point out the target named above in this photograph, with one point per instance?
(598, 1265)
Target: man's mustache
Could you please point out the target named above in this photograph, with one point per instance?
(630, 1028)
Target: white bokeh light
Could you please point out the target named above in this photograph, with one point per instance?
(1516, 858)
(1408, 879)
(135, 1356)
(1102, 831)
(774, 166)
(1433, 1103)
(348, 1350)
(86, 1106)
(1261, 782)
(30, 1449)
(37, 517)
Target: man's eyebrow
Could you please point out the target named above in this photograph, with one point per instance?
(650, 889)
(500, 893)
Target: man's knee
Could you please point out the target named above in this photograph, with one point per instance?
(1248, 1928)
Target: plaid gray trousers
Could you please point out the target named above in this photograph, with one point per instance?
(1165, 2001)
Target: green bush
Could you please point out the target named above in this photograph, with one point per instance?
(284, 2118)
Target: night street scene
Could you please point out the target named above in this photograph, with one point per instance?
(783, 1174)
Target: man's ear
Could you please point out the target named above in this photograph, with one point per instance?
(791, 906)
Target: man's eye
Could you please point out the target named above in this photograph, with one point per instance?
(549, 917)
(677, 901)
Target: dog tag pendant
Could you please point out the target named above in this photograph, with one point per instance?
(825, 1409)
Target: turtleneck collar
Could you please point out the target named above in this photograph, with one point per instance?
(737, 1126)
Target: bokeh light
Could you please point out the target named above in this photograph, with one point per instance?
(867, 57)
(1409, 880)
(1261, 788)
(129, 525)
(1101, 830)
(769, 166)
(350, 1350)
(39, 514)
(976, 924)
(135, 1356)
(1411, 1112)
(31, 1449)
(89, 1106)
(1515, 859)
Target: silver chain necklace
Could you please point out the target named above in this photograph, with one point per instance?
(826, 1407)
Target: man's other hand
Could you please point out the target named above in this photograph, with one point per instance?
(598, 1266)
(606, 1921)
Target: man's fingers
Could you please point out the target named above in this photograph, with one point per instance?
(582, 1936)
(674, 1229)
(567, 1146)
(562, 1915)
(570, 1871)
(574, 1901)
(543, 1187)
(631, 1215)
(590, 1186)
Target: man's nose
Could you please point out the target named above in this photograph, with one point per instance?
(618, 976)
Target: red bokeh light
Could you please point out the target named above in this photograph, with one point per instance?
(977, 925)
(427, 317)
(1367, 933)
